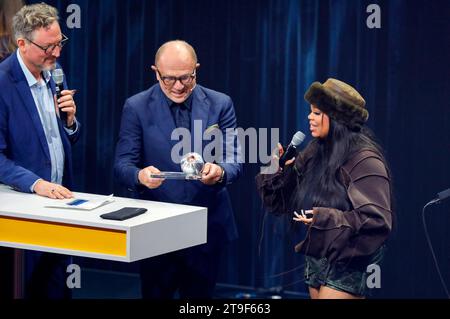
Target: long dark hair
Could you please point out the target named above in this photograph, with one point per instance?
(320, 184)
(7, 10)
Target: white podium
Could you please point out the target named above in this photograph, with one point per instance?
(26, 223)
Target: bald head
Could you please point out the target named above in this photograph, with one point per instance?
(175, 68)
(176, 48)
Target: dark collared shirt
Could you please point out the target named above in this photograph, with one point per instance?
(181, 112)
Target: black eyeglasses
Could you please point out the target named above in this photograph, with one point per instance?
(171, 80)
(50, 48)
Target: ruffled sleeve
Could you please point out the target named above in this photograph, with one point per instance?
(276, 189)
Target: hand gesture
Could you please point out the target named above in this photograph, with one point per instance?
(305, 216)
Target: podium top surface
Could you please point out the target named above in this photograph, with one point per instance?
(32, 206)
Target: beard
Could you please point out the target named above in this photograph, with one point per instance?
(46, 66)
(49, 67)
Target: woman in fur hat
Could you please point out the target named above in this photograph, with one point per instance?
(340, 187)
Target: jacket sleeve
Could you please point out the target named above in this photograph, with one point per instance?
(128, 149)
(73, 137)
(232, 163)
(276, 189)
(10, 173)
(339, 235)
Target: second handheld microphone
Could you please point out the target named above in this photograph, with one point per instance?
(58, 77)
(291, 150)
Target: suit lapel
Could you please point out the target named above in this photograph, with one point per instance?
(24, 92)
(163, 117)
(200, 112)
(161, 114)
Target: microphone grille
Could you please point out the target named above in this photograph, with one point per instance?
(58, 76)
(298, 138)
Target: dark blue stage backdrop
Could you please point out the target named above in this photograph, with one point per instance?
(264, 54)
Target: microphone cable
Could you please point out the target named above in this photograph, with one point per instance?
(434, 201)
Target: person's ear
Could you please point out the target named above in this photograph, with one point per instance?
(21, 43)
(197, 66)
(154, 68)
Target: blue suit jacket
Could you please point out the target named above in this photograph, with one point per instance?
(24, 153)
(145, 139)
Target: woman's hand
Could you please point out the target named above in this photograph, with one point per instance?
(281, 152)
(305, 216)
(275, 161)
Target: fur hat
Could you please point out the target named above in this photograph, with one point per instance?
(339, 101)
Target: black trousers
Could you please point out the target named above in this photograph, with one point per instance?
(191, 272)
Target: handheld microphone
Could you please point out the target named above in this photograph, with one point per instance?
(443, 195)
(58, 77)
(291, 150)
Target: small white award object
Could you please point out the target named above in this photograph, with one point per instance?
(191, 166)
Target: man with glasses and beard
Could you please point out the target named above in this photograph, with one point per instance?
(145, 148)
(35, 145)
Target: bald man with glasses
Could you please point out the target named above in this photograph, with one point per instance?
(145, 147)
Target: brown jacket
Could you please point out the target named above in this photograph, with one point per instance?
(333, 233)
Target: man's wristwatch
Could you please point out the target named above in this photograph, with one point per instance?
(221, 175)
(72, 127)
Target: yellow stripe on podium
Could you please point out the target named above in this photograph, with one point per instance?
(63, 236)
